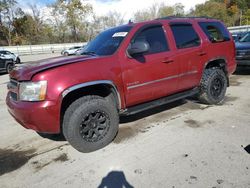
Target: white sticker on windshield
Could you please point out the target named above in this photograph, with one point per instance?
(120, 34)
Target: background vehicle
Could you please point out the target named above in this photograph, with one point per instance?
(6, 65)
(70, 51)
(4, 54)
(123, 71)
(238, 36)
(243, 51)
(80, 50)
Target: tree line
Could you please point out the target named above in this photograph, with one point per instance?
(75, 20)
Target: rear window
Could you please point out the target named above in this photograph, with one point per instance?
(215, 31)
(185, 35)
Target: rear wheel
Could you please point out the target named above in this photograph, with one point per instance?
(213, 86)
(90, 123)
(66, 54)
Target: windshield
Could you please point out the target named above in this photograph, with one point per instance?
(246, 38)
(107, 42)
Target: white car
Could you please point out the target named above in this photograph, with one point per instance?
(80, 50)
(70, 51)
(4, 54)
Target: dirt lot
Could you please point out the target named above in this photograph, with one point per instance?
(184, 144)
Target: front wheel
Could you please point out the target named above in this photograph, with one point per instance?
(18, 60)
(213, 86)
(90, 123)
(9, 67)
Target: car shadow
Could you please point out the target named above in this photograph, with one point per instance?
(115, 179)
(3, 73)
(54, 137)
(242, 70)
(150, 112)
(247, 149)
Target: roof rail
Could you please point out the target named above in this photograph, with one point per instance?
(183, 17)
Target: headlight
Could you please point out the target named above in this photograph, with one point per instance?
(32, 91)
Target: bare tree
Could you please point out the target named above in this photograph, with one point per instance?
(159, 10)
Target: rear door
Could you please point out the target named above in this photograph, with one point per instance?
(220, 44)
(191, 55)
(153, 74)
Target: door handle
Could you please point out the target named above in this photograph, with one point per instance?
(168, 61)
(202, 53)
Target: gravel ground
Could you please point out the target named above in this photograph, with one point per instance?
(183, 144)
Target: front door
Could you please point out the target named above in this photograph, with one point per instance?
(153, 74)
(2, 64)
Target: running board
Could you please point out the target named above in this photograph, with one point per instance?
(152, 104)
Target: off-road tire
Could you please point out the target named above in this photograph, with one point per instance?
(74, 123)
(213, 86)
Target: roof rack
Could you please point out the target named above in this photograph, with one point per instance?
(183, 17)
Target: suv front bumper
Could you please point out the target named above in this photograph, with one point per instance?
(42, 116)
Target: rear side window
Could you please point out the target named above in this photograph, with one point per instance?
(215, 31)
(185, 35)
(155, 37)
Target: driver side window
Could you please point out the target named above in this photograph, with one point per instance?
(155, 37)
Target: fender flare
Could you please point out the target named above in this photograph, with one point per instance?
(214, 59)
(93, 83)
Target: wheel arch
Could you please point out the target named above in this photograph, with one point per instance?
(103, 88)
(219, 62)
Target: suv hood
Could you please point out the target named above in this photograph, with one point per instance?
(242, 45)
(26, 71)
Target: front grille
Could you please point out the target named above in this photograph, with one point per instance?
(13, 89)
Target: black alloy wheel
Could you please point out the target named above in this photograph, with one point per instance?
(94, 126)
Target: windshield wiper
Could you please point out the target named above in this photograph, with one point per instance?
(89, 53)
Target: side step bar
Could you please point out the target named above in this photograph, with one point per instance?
(152, 104)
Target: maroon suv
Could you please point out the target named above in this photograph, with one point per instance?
(124, 70)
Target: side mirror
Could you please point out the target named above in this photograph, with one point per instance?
(138, 48)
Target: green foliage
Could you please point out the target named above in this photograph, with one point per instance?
(74, 20)
(232, 12)
(246, 18)
(75, 13)
(213, 10)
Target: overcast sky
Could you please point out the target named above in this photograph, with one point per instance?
(125, 7)
(128, 7)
